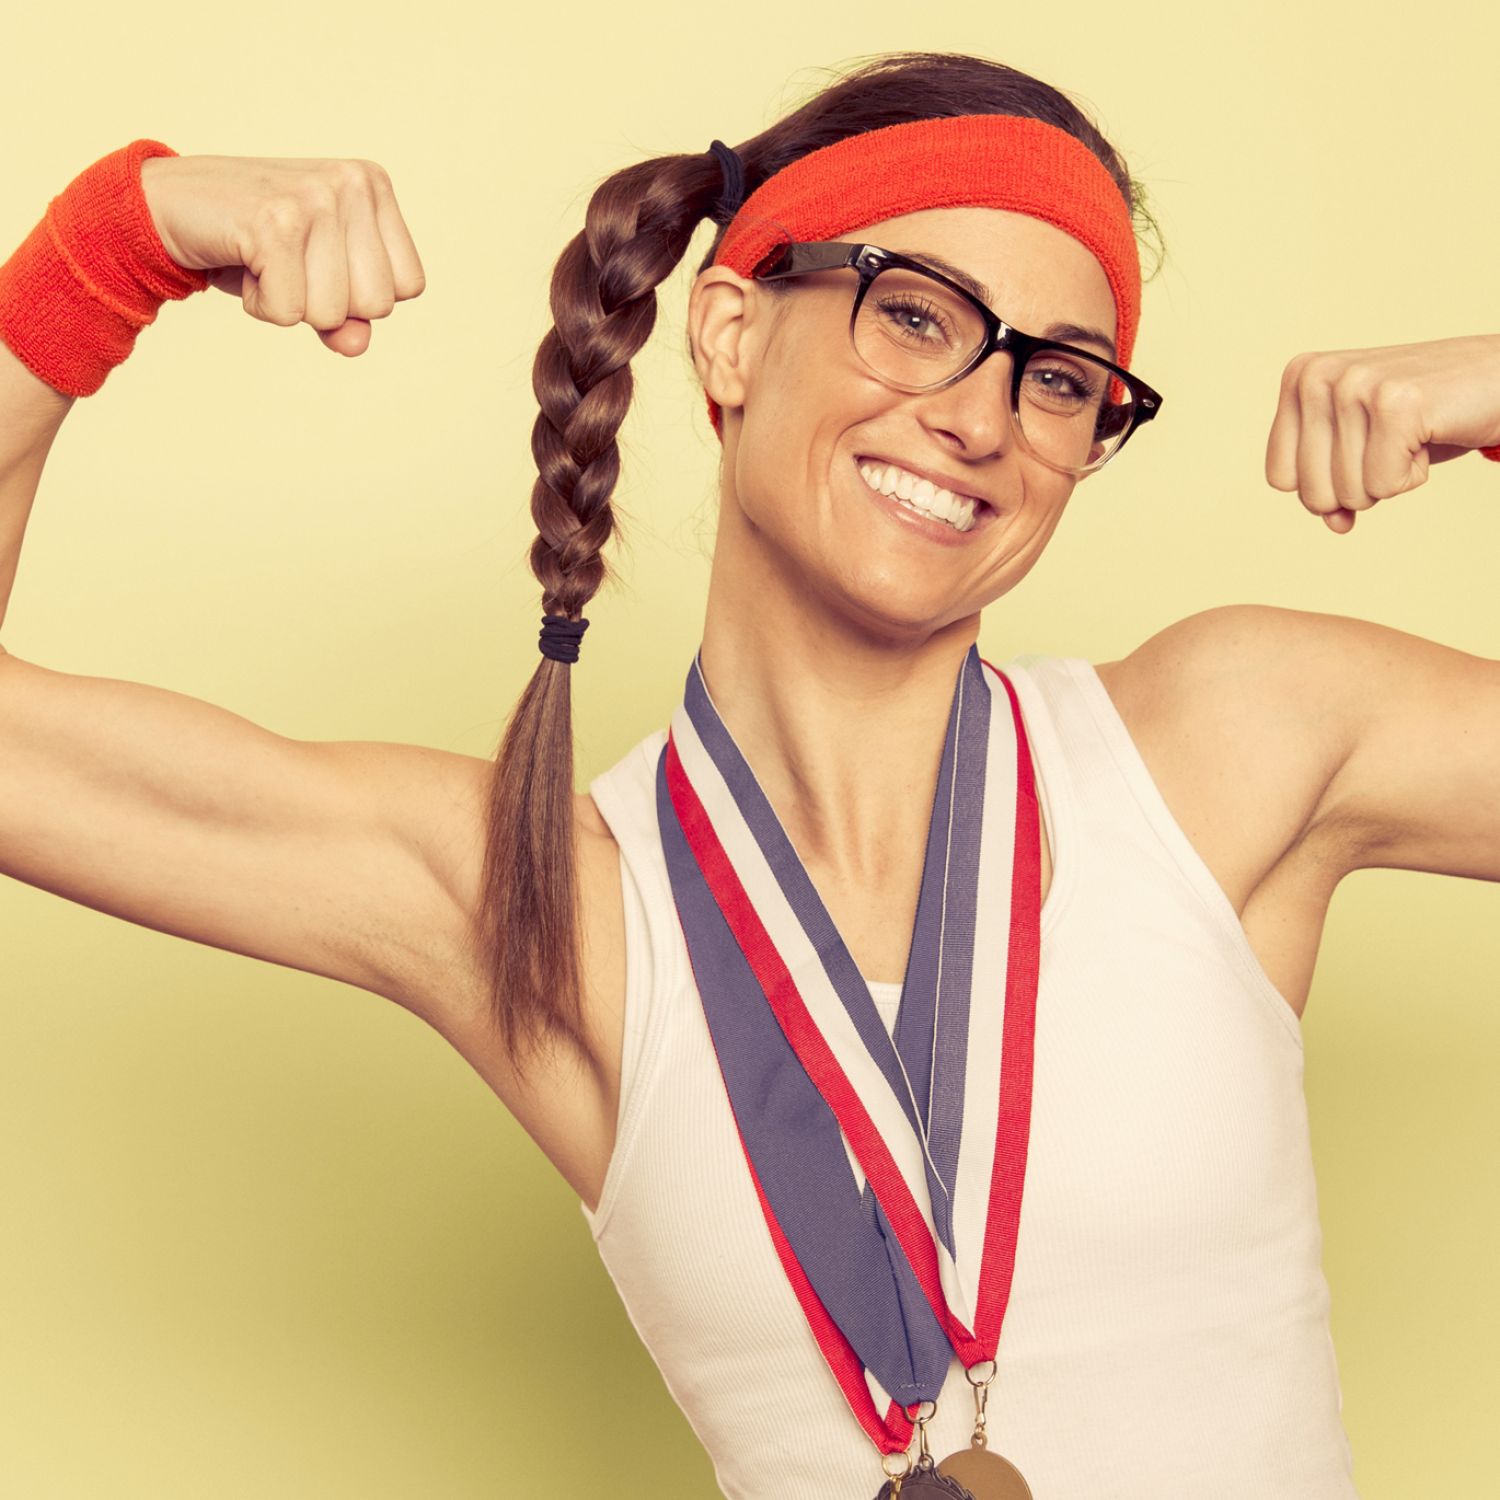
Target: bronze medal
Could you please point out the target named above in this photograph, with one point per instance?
(983, 1475)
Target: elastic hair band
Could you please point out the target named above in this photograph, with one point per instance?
(729, 201)
(90, 276)
(560, 637)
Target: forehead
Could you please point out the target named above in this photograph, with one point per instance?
(1036, 273)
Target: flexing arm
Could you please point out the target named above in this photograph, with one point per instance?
(1417, 723)
(352, 860)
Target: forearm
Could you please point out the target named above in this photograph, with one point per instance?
(30, 414)
(73, 296)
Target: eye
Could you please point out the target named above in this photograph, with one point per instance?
(916, 320)
(1062, 384)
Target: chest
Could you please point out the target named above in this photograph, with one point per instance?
(878, 932)
(1244, 830)
(1244, 827)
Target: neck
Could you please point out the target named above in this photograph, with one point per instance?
(843, 726)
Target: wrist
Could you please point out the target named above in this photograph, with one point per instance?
(90, 276)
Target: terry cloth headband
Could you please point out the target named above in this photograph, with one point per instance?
(986, 161)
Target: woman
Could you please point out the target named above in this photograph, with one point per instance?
(895, 457)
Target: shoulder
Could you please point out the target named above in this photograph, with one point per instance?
(1293, 647)
(1261, 664)
(1249, 711)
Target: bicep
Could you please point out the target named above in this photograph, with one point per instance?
(345, 859)
(1419, 788)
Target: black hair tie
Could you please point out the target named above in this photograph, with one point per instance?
(560, 637)
(729, 201)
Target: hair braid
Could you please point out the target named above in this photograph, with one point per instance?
(637, 228)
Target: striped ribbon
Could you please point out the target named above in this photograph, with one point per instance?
(889, 1165)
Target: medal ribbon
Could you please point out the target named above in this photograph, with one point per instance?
(889, 1166)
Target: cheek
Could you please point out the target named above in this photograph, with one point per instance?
(808, 373)
(800, 401)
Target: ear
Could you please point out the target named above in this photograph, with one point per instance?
(721, 310)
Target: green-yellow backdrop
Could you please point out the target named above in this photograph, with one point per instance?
(266, 1235)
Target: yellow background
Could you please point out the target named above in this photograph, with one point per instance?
(266, 1235)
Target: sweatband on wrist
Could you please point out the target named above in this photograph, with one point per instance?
(1492, 453)
(90, 276)
(995, 161)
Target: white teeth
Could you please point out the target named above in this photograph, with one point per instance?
(921, 495)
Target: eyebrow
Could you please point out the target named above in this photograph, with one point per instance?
(1067, 332)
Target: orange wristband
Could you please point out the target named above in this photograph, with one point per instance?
(90, 276)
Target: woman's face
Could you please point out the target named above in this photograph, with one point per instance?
(803, 415)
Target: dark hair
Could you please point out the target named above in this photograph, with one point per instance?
(637, 228)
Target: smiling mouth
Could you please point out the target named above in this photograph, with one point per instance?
(961, 512)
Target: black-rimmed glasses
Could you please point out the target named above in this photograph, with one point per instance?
(919, 331)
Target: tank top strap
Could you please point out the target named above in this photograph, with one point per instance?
(1105, 790)
(1113, 826)
(658, 970)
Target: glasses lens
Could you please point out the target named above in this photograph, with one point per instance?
(1074, 411)
(913, 331)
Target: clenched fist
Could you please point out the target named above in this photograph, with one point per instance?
(298, 240)
(1357, 426)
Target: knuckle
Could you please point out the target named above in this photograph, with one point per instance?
(376, 307)
(320, 199)
(326, 313)
(285, 316)
(281, 217)
(347, 177)
(1351, 386)
(1395, 397)
(1316, 372)
(374, 173)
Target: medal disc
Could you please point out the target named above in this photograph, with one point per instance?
(985, 1475)
(926, 1484)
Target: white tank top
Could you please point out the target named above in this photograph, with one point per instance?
(1167, 1335)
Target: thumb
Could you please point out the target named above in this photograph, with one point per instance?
(351, 337)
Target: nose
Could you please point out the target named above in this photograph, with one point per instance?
(973, 415)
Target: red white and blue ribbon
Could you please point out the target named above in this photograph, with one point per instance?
(889, 1165)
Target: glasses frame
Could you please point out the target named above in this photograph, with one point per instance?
(797, 258)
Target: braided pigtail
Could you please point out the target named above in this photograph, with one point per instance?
(526, 936)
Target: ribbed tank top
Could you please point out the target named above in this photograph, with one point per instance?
(1167, 1335)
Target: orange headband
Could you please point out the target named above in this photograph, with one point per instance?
(986, 161)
